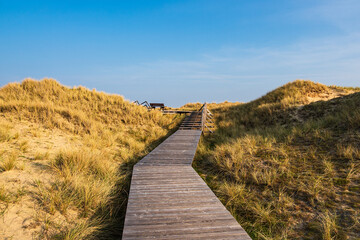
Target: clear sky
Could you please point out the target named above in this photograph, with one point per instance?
(181, 51)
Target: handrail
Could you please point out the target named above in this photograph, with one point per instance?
(199, 120)
(202, 107)
(203, 117)
(145, 104)
(205, 114)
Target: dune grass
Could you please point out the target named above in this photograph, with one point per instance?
(8, 162)
(77, 109)
(91, 175)
(285, 167)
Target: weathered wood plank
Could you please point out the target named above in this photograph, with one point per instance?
(169, 200)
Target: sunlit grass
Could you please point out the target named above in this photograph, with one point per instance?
(280, 164)
(90, 175)
(8, 162)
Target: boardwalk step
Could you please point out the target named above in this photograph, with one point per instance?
(169, 200)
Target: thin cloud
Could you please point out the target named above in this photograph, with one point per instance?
(240, 71)
(307, 57)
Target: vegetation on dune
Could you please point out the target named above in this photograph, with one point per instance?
(197, 106)
(288, 167)
(77, 110)
(85, 144)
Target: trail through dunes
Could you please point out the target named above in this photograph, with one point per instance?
(169, 200)
(286, 165)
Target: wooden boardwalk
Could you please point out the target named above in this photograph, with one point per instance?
(169, 200)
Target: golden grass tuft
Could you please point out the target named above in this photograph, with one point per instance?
(328, 225)
(8, 162)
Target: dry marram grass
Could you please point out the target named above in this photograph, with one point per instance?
(287, 165)
(70, 151)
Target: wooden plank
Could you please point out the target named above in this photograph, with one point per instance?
(165, 162)
(169, 200)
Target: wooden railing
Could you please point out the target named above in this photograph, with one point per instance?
(206, 124)
(145, 104)
(206, 119)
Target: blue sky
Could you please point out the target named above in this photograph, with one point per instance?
(181, 51)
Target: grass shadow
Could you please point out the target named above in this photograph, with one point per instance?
(113, 214)
(306, 137)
